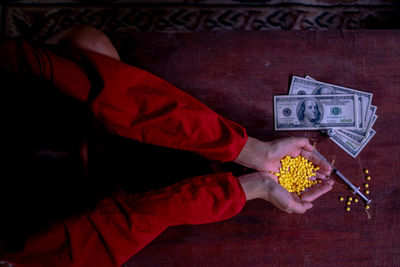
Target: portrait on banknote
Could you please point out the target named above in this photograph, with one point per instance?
(309, 112)
(324, 90)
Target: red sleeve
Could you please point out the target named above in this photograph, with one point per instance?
(23, 59)
(122, 225)
(141, 106)
(134, 103)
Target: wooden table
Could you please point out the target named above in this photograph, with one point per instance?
(237, 74)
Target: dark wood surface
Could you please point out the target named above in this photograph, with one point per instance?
(237, 74)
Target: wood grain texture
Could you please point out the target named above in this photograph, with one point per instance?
(237, 74)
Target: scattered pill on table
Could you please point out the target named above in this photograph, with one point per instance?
(347, 208)
(366, 171)
(368, 178)
(367, 207)
(367, 192)
(366, 185)
(348, 202)
(350, 198)
(341, 198)
(356, 200)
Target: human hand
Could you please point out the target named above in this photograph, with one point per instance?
(265, 186)
(266, 156)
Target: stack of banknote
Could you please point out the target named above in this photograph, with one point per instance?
(345, 114)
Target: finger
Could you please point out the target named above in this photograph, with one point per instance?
(307, 205)
(326, 172)
(300, 207)
(320, 175)
(272, 176)
(325, 180)
(316, 191)
(304, 143)
(298, 144)
(324, 166)
(329, 181)
(314, 158)
(317, 175)
(312, 178)
(296, 197)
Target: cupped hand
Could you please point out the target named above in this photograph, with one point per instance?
(293, 147)
(266, 156)
(264, 185)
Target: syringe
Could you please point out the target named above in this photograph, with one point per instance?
(356, 190)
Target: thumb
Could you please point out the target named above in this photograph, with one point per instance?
(304, 143)
(307, 205)
(301, 207)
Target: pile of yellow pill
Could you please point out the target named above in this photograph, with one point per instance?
(294, 173)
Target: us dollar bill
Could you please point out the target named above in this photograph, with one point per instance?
(348, 145)
(308, 86)
(315, 112)
(368, 122)
(371, 118)
(352, 136)
(355, 136)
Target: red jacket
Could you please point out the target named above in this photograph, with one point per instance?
(138, 105)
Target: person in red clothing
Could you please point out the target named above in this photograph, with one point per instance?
(75, 113)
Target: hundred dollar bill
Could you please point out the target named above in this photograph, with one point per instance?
(352, 136)
(307, 86)
(326, 90)
(360, 134)
(352, 148)
(368, 123)
(357, 137)
(315, 112)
